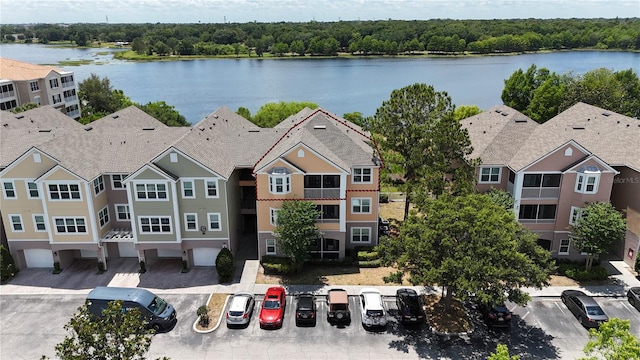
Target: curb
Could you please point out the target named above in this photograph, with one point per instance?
(219, 318)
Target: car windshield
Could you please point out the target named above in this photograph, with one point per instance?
(157, 306)
(594, 310)
(271, 304)
(500, 308)
(374, 313)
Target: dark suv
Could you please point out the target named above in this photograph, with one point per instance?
(410, 307)
(496, 315)
(306, 310)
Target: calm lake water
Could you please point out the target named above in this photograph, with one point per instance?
(198, 87)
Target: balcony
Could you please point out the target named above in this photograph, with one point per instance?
(69, 99)
(541, 193)
(311, 193)
(8, 94)
(536, 221)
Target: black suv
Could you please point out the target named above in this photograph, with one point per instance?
(410, 307)
(496, 315)
(306, 310)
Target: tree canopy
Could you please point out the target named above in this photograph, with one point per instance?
(472, 247)
(502, 353)
(417, 124)
(596, 228)
(296, 229)
(270, 114)
(613, 340)
(541, 94)
(115, 335)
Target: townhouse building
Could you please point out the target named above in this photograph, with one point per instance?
(22, 83)
(127, 185)
(553, 170)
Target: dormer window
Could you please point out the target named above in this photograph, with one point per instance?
(279, 180)
(587, 180)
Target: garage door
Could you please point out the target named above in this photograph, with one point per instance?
(169, 253)
(38, 258)
(205, 256)
(127, 249)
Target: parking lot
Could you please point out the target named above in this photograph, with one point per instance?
(544, 329)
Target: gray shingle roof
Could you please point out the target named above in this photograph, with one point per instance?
(20, 132)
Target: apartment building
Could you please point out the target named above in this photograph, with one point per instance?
(22, 83)
(127, 185)
(552, 170)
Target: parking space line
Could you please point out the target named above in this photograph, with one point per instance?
(559, 307)
(525, 315)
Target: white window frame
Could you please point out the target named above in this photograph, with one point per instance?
(562, 245)
(37, 100)
(103, 216)
(34, 86)
(358, 175)
(127, 213)
(286, 184)
(60, 192)
(36, 223)
(209, 222)
(183, 186)
(194, 222)
(150, 224)
(273, 216)
(27, 185)
(358, 231)
(214, 187)
(155, 190)
(574, 215)
(5, 190)
(271, 243)
(75, 225)
(490, 174)
(18, 223)
(357, 205)
(53, 83)
(56, 99)
(98, 185)
(120, 181)
(582, 182)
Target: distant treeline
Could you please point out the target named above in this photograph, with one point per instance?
(388, 37)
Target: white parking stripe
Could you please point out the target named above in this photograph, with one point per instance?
(560, 307)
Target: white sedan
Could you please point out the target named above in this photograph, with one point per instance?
(372, 308)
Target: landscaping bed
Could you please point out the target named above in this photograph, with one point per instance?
(216, 308)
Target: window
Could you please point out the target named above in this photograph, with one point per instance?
(360, 235)
(361, 176)
(279, 184)
(587, 180)
(117, 181)
(56, 98)
(490, 174)
(564, 247)
(328, 213)
(273, 218)
(173, 157)
(103, 215)
(214, 221)
(64, 192)
(70, 225)
(537, 213)
(34, 86)
(361, 206)
(53, 83)
(191, 222)
(16, 223)
(9, 190)
(98, 185)
(7, 89)
(39, 224)
(69, 95)
(151, 191)
(67, 80)
(271, 246)
(212, 188)
(8, 105)
(32, 188)
(576, 213)
(36, 99)
(541, 180)
(187, 189)
(122, 212)
(155, 224)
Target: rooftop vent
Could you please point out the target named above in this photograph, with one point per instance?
(577, 127)
(521, 120)
(5, 125)
(498, 111)
(148, 128)
(215, 116)
(19, 116)
(115, 116)
(254, 130)
(88, 128)
(505, 113)
(606, 113)
(319, 126)
(44, 130)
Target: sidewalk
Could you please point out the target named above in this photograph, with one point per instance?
(165, 278)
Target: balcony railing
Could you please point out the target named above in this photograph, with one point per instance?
(68, 84)
(71, 98)
(536, 221)
(73, 114)
(310, 193)
(541, 193)
(328, 221)
(8, 94)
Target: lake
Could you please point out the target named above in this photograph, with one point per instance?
(198, 87)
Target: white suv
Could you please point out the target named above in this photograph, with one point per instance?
(372, 308)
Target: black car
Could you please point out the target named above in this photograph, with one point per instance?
(496, 315)
(306, 310)
(587, 310)
(410, 307)
(634, 297)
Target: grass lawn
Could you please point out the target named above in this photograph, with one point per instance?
(330, 275)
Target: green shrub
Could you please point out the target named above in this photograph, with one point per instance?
(368, 255)
(277, 265)
(346, 261)
(7, 266)
(384, 198)
(394, 278)
(203, 315)
(225, 266)
(596, 273)
(370, 263)
(637, 267)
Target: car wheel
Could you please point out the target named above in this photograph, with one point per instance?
(564, 300)
(580, 320)
(156, 327)
(632, 301)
